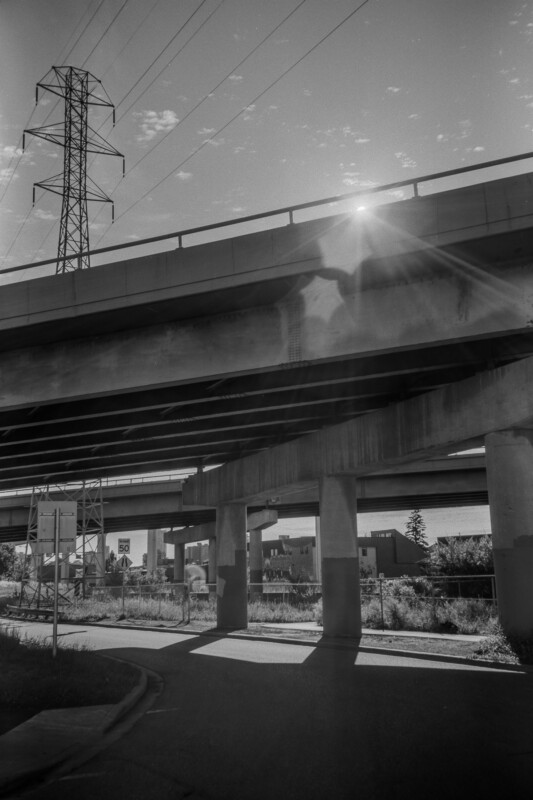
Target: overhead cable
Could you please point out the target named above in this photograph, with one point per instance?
(251, 102)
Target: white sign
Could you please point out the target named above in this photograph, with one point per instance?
(123, 546)
(46, 520)
(124, 562)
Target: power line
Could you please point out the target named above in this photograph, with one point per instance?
(60, 57)
(160, 72)
(100, 4)
(82, 16)
(163, 50)
(19, 231)
(219, 84)
(119, 12)
(237, 66)
(227, 124)
(139, 26)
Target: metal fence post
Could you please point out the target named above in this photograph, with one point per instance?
(381, 603)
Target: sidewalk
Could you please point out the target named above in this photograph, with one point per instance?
(313, 627)
(51, 737)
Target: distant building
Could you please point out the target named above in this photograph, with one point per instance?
(197, 553)
(156, 550)
(293, 559)
(387, 552)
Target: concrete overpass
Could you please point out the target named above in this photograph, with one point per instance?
(301, 357)
(211, 352)
(445, 482)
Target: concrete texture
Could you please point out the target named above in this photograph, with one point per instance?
(341, 593)
(232, 586)
(436, 220)
(509, 456)
(438, 421)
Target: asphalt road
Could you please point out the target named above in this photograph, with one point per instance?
(244, 720)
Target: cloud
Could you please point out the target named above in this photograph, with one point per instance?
(215, 142)
(405, 161)
(479, 149)
(307, 92)
(206, 131)
(393, 89)
(153, 123)
(40, 214)
(7, 173)
(361, 140)
(235, 78)
(413, 116)
(184, 176)
(8, 151)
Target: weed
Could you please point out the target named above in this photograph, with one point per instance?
(33, 678)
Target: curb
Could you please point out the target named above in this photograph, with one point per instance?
(121, 708)
(334, 644)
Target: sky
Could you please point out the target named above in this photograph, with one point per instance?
(226, 108)
(232, 107)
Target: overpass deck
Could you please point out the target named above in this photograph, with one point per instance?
(206, 354)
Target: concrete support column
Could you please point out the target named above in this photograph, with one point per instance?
(509, 459)
(341, 596)
(256, 564)
(100, 559)
(232, 590)
(179, 563)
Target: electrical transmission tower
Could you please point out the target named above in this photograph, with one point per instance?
(75, 135)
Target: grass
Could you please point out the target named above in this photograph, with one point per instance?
(32, 678)
(92, 610)
(401, 611)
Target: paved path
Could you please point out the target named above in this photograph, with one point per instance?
(247, 720)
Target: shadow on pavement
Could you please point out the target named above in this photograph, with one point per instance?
(258, 720)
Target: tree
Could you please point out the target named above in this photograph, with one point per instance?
(11, 562)
(415, 529)
(461, 556)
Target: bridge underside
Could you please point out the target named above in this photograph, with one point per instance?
(180, 519)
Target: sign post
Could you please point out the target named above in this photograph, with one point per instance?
(124, 564)
(56, 581)
(56, 532)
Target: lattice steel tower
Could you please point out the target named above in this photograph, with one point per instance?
(75, 135)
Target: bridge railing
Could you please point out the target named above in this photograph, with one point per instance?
(394, 191)
(134, 480)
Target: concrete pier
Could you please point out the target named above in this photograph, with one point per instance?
(232, 590)
(340, 557)
(179, 563)
(509, 458)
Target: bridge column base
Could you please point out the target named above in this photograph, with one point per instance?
(341, 595)
(232, 589)
(509, 459)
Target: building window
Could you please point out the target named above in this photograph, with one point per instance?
(364, 552)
